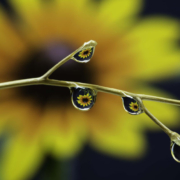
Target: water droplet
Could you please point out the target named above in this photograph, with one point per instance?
(131, 105)
(84, 55)
(175, 151)
(83, 98)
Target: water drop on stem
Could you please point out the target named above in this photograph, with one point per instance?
(83, 98)
(84, 55)
(175, 151)
(131, 105)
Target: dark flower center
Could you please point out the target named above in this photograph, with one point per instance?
(135, 107)
(85, 52)
(85, 100)
(37, 62)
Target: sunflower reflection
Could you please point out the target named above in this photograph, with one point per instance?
(134, 106)
(84, 100)
(85, 53)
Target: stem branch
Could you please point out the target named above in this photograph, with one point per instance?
(160, 124)
(44, 80)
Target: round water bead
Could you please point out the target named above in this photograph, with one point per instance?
(83, 98)
(175, 151)
(131, 105)
(84, 55)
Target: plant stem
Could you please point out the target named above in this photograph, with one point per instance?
(160, 124)
(44, 80)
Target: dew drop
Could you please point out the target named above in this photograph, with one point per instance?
(175, 151)
(84, 55)
(131, 105)
(83, 98)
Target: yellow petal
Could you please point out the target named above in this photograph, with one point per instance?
(11, 43)
(120, 13)
(63, 133)
(21, 158)
(54, 19)
(155, 45)
(35, 19)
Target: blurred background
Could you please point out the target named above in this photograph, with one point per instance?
(42, 136)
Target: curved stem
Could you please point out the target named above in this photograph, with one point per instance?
(70, 84)
(19, 83)
(174, 137)
(160, 124)
(159, 99)
(44, 80)
(54, 68)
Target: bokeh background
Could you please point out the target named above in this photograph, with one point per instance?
(42, 136)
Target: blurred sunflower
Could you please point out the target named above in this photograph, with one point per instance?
(40, 119)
